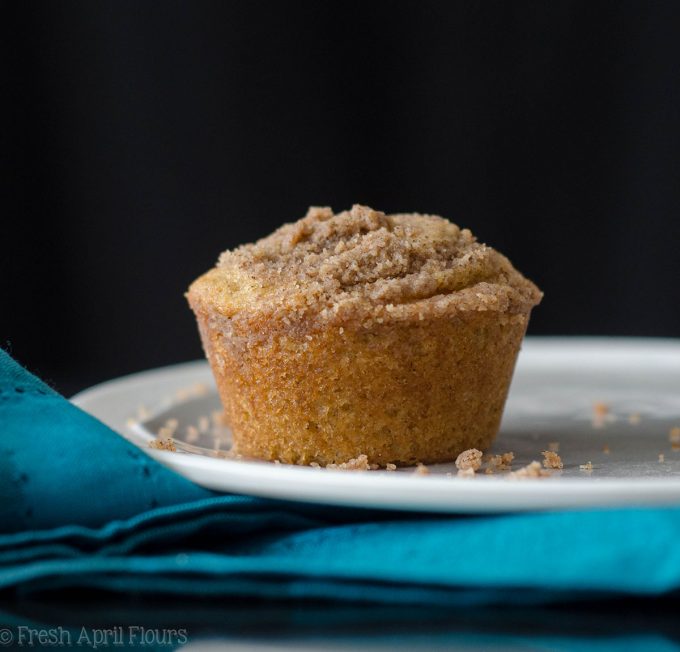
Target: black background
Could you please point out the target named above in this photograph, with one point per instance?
(143, 138)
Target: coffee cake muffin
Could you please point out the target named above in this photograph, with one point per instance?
(360, 333)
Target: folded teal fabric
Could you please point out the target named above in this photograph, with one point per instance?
(81, 507)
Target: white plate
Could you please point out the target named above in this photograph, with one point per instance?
(556, 384)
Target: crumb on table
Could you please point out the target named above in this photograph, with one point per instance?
(662, 458)
(588, 466)
(469, 459)
(552, 460)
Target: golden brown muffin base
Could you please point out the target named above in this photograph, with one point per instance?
(401, 392)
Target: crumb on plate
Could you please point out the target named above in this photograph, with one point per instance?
(165, 444)
(192, 434)
(469, 459)
(359, 463)
(588, 466)
(600, 414)
(674, 438)
(502, 462)
(186, 393)
(533, 470)
(421, 469)
(552, 460)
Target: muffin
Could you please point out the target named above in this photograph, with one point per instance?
(360, 333)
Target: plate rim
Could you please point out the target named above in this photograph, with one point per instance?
(435, 493)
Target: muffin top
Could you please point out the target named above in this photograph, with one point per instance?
(362, 265)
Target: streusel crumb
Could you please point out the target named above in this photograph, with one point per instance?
(600, 414)
(501, 462)
(165, 444)
(168, 430)
(421, 469)
(192, 434)
(533, 470)
(552, 460)
(469, 459)
(588, 466)
(186, 393)
(662, 458)
(355, 464)
(390, 467)
(143, 413)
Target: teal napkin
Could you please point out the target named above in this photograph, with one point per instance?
(81, 507)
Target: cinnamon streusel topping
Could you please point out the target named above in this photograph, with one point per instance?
(367, 266)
